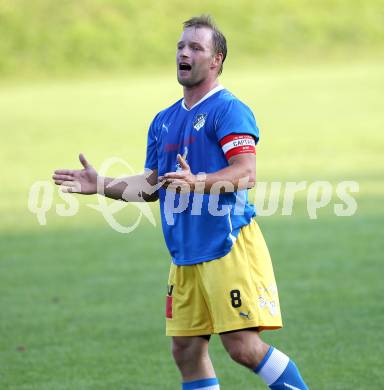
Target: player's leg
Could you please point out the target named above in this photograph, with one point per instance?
(188, 322)
(277, 370)
(241, 291)
(192, 358)
(245, 347)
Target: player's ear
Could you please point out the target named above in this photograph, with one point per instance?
(217, 59)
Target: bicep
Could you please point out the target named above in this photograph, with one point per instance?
(245, 160)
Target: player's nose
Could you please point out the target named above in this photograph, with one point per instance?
(184, 53)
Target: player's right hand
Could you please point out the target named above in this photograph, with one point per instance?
(82, 181)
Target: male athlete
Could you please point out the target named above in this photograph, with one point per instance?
(200, 162)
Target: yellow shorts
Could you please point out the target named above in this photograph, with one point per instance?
(236, 291)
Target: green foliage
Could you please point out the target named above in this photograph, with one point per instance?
(49, 36)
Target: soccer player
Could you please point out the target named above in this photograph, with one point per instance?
(200, 162)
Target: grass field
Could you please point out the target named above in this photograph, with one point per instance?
(81, 306)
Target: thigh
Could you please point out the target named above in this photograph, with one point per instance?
(240, 288)
(193, 344)
(187, 313)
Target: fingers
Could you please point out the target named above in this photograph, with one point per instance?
(173, 179)
(176, 183)
(66, 183)
(62, 177)
(73, 184)
(69, 172)
(179, 186)
(174, 175)
(184, 165)
(164, 180)
(83, 161)
(68, 189)
(69, 186)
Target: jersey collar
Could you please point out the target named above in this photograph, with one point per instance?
(209, 94)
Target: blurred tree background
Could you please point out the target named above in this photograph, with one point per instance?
(50, 37)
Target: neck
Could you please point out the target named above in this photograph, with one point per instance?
(193, 94)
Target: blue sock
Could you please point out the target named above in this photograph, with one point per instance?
(279, 372)
(206, 384)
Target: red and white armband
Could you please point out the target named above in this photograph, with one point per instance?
(234, 144)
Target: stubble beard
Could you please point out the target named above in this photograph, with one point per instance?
(189, 82)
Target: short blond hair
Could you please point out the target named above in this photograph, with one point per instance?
(219, 42)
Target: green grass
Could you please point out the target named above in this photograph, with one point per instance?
(82, 306)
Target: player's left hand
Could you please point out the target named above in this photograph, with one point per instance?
(181, 181)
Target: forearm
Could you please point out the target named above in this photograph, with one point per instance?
(134, 188)
(229, 179)
(238, 175)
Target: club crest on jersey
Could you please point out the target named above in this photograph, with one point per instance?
(199, 121)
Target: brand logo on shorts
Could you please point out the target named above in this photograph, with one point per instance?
(245, 315)
(271, 306)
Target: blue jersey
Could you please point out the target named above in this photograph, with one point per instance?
(200, 227)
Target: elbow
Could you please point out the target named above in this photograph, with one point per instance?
(246, 180)
(244, 169)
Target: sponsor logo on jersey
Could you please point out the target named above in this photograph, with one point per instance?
(199, 121)
(164, 127)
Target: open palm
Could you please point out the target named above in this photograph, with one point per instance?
(82, 181)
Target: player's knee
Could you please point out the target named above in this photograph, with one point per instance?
(185, 351)
(242, 355)
(180, 352)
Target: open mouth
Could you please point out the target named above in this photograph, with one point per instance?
(184, 66)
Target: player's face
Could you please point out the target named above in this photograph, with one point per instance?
(195, 58)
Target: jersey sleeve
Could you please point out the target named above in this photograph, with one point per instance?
(236, 118)
(151, 161)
